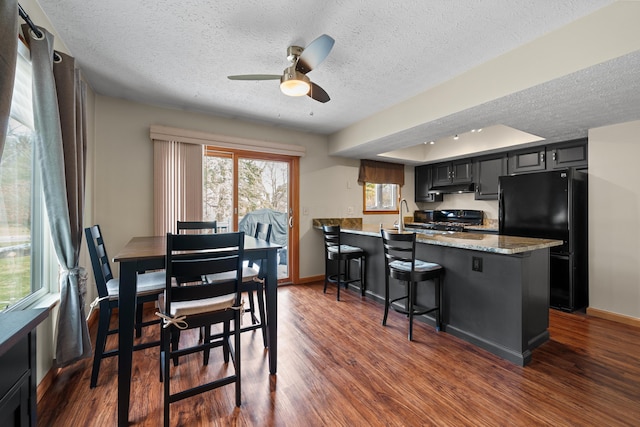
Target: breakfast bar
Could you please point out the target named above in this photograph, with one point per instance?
(496, 288)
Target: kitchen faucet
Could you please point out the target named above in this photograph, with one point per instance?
(400, 219)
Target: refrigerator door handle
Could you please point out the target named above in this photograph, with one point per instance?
(500, 210)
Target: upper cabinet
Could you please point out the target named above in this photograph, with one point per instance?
(528, 160)
(557, 156)
(458, 172)
(423, 184)
(568, 155)
(487, 171)
(484, 171)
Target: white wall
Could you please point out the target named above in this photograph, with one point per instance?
(123, 173)
(614, 219)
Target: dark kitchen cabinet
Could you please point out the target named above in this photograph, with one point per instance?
(18, 367)
(570, 154)
(566, 155)
(458, 172)
(529, 160)
(423, 183)
(487, 171)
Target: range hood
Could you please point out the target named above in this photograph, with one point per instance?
(453, 188)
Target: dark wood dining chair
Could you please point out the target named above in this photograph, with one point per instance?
(401, 264)
(201, 305)
(253, 281)
(149, 286)
(341, 255)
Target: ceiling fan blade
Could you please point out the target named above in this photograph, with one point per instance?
(315, 53)
(317, 93)
(255, 77)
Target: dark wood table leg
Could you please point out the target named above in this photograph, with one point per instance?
(126, 314)
(272, 309)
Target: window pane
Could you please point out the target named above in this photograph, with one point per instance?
(381, 197)
(16, 195)
(218, 189)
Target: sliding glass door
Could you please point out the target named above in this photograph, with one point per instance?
(242, 188)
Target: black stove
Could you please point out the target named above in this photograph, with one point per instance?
(447, 220)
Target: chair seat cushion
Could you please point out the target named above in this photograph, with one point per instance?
(420, 265)
(248, 274)
(147, 284)
(200, 306)
(345, 249)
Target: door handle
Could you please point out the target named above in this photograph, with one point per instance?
(290, 222)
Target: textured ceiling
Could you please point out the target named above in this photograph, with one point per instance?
(178, 54)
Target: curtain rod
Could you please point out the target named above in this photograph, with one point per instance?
(35, 29)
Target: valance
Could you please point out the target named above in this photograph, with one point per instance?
(165, 133)
(377, 172)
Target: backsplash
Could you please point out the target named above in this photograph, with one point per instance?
(342, 222)
(466, 201)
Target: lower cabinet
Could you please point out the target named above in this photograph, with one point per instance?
(18, 367)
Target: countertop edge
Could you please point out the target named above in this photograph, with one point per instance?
(500, 244)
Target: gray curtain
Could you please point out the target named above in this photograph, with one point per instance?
(58, 99)
(8, 55)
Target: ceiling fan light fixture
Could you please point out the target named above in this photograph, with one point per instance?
(294, 83)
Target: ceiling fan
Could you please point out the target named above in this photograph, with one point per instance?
(294, 80)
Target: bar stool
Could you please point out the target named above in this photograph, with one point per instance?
(342, 254)
(401, 264)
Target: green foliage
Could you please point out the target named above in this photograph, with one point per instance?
(261, 184)
(15, 279)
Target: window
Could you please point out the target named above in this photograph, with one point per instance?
(380, 198)
(381, 182)
(27, 261)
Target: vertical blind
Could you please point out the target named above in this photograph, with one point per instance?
(177, 184)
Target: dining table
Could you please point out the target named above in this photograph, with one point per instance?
(148, 253)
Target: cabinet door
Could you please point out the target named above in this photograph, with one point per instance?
(568, 155)
(441, 174)
(461, 172)
(423, 185)
(527, 160)
(487, 172)
(422, 182)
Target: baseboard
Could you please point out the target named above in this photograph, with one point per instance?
(311, 279)
(620, 318)
(46, 383)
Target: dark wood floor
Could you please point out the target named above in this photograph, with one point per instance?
(337, 366)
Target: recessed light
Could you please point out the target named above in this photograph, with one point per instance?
(432, 142)
(455, 137)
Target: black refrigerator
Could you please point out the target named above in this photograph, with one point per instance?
(551, 205)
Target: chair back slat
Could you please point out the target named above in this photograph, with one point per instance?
(196, 226)
(263, 232)
(99, 259)
(399, 247)
(331, 238)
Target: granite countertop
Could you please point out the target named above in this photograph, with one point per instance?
(496, 243)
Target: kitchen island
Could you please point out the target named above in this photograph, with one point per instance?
(496, 288)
